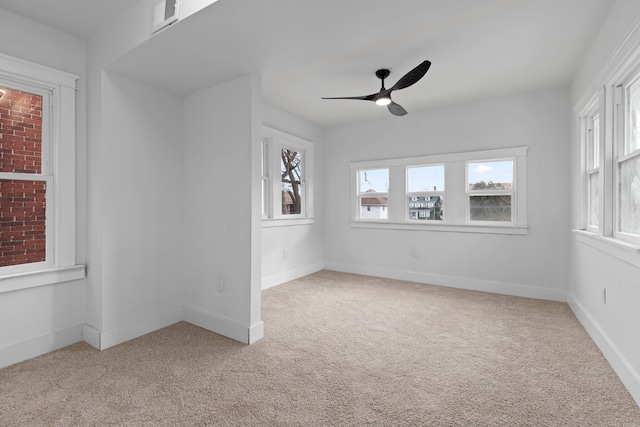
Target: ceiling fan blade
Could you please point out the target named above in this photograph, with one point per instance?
(361, 98)
(396, 109)
(412, 76)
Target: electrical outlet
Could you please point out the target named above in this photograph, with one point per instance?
(415, 253)
(285, 252)
(220, 284)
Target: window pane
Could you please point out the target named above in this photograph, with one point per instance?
(425, 208)
(264, 157)
(20, 131)
(594, 205)
(630, 196)
(491, 175)
(291, 168)
(426, 178)
(22, 222)
(490, 208)
(594, 142)
(376, 181)
(632, 142)
(374, 207)
(265, 188)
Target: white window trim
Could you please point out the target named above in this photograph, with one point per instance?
(607, 103)
(621, 66)
(621, 127)
(275, 140)
(61, 222)
(455, 185)
(617, 248)
(266, 170)
(593, 107)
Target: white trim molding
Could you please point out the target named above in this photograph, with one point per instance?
(59, 88)
(103, 340)
(472, 284)
(24, 350)
(456, 205)
(629, 377)
(223, 326)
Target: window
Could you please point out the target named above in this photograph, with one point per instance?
(485, 192)
(610, 139)
(25, 176)
(37, 175)
(628, 167)
(373, 191)
(265, 176)
(425, 193)
(593, 171)
(292, 181)
(490, 190)
(287, 197)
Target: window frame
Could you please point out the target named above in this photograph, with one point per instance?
(593, 152)
(609, 102)
(361, 194)
(432, 193)
(456, 194)
(477, 193)
(264, 160)
(273, 141)
(621, 125)
(45, 175)
(303, 184)
(58, 170)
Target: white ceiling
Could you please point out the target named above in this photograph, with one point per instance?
(306, 49)
(80, 18)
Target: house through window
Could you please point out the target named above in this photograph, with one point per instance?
(476, 192)
(373, 193)
(425, 192)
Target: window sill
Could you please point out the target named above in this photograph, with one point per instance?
(617, 248)
(32, 279)
(286, 222)
(456, 228)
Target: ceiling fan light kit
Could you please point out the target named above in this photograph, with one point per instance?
(383, 97)
(383, 101)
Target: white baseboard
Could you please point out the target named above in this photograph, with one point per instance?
(280, 278)
(91, 336)
(220, 325)
(256, 332)
(131, 330)
(526, 291)
(37, 346)
(629, 377)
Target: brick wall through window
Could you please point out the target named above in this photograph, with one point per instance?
(22, 202)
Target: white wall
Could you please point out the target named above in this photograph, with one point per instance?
(614, 325)
(532, 265)
(141, 215)
(143, 270)
(42, 319)
(221, 202)
(304, 243)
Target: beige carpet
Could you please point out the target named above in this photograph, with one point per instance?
(340, 350)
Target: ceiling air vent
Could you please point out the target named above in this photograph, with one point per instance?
(165, 13)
